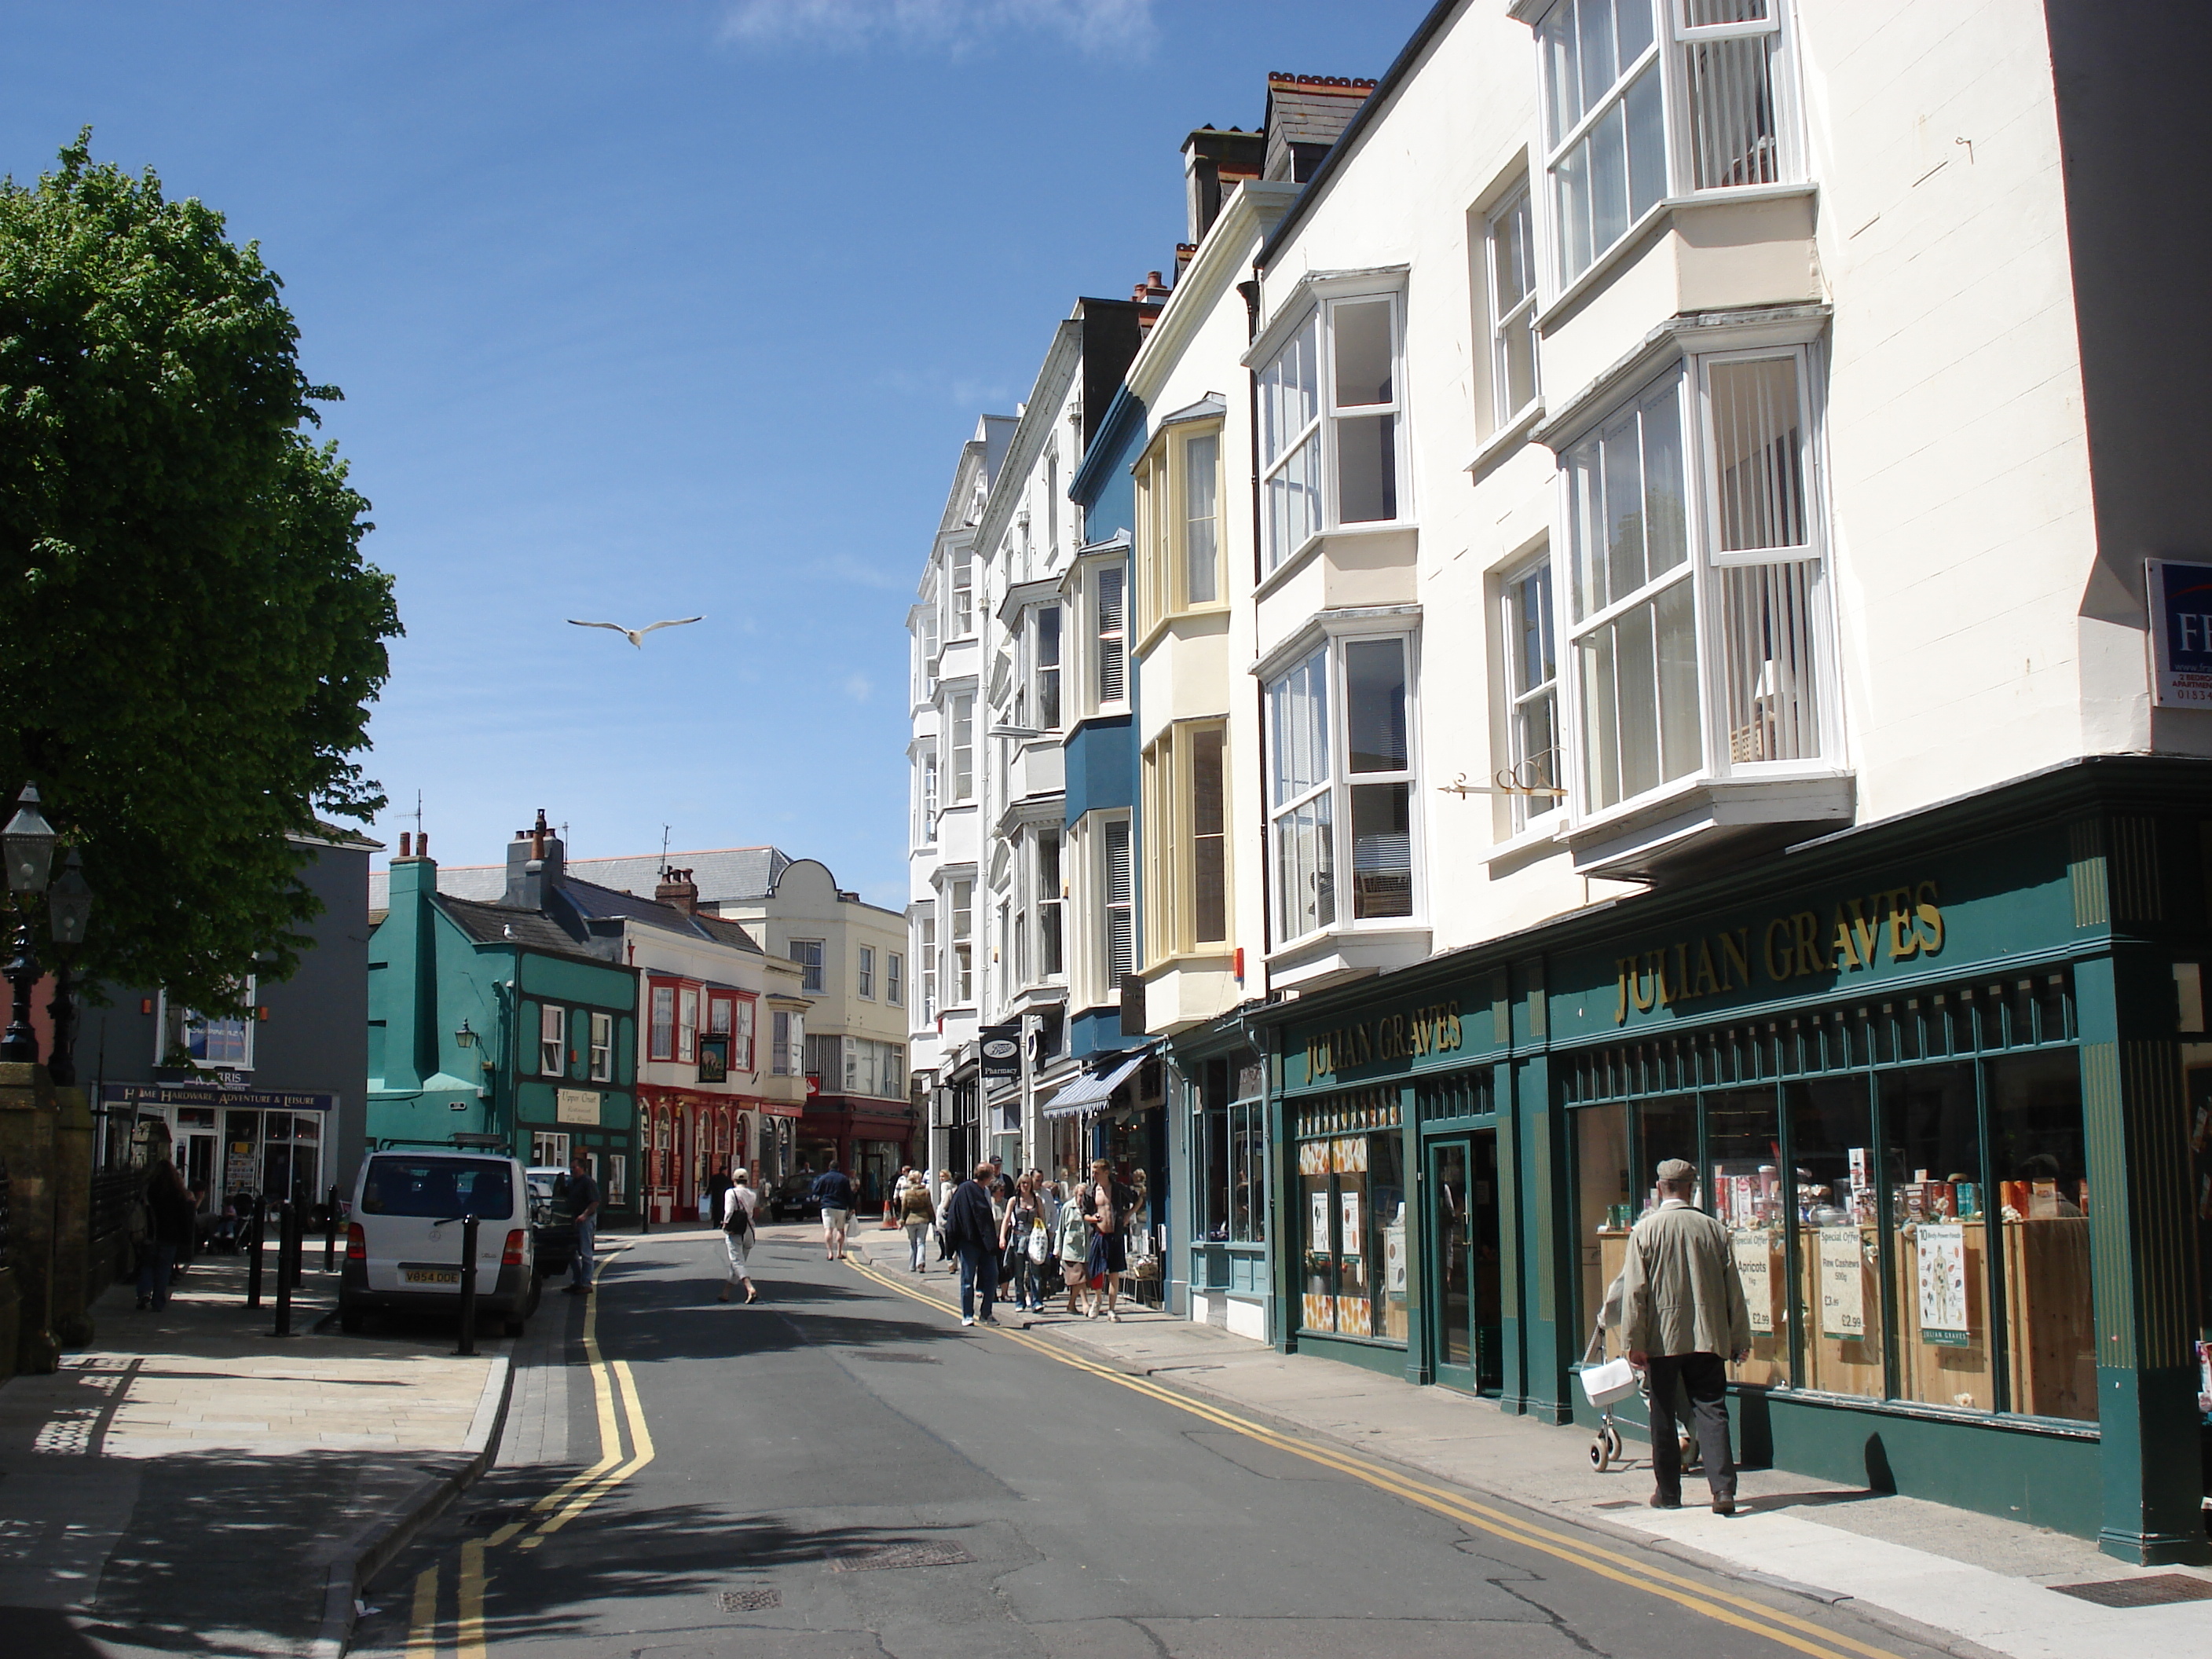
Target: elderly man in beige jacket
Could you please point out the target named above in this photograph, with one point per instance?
(1682, 1311)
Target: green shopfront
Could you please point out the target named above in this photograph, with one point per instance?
(1948, 1084)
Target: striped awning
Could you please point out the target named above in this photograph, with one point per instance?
(1089, 1093)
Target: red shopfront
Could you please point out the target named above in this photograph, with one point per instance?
(690, 1136)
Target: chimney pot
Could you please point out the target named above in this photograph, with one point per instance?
(406, 845)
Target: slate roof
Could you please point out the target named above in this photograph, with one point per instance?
(591, 899)
(725, 875)
(492, 924)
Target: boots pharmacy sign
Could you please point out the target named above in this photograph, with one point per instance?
(2180, 598)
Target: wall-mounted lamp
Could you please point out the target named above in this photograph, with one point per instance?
(464, 1038)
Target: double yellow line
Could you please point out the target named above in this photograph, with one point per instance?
(615, 1396)
(1739, 1611)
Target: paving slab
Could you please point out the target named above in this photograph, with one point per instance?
(191, 1483)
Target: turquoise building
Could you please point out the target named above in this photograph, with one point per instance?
(496, 1025)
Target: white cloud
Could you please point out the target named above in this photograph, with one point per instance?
(858, 688)
(1116, 27)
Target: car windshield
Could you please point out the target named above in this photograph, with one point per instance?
(441, 1187)
(544, 1185)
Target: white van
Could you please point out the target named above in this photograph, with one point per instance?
(403, 1244)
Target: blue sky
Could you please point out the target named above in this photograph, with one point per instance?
(643, 311)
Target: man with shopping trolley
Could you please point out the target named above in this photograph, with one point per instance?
(1682, 1310)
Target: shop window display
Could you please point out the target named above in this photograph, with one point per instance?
(1906, 1228)
(1351, 1193)
(1743, 1152)
(1839, 1236)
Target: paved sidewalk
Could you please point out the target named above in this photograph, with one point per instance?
(189, 1482)
(1976, 1582)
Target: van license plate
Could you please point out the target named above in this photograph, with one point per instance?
(434, 1275)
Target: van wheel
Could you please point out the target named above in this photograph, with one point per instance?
(516, 1326)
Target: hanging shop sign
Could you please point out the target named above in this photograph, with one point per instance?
(998, 1049)
(2181, 634)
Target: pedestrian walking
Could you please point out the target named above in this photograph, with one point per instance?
(1023, 1246)
(918, 1212)
(584, 1203)
(169, 1223)
(969, 1230)
(1071, 1248)
(740, 1200)
(1108, 1202)
(834, 1191)
(1682, 1310)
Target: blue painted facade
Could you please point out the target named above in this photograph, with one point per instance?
(1101, 753)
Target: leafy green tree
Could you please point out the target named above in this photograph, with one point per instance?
(189, 637)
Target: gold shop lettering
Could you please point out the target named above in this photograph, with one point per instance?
(1893, 925)
(1434, 1029)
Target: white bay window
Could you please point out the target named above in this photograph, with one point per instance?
(1340, 789)
(1692, 606)
(1618, 76)
(1329, 414)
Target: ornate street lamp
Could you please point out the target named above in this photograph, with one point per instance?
(68, 913)
(29, 845)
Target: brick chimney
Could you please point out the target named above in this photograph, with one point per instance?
(678, 890)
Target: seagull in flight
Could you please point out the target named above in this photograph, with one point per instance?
(636, 635)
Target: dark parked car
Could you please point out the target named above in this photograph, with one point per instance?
(795, 1200)
(552, 1222)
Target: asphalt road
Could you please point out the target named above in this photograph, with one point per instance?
(841, 1471)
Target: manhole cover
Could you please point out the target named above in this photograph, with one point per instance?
(2153, 1590)
(896, 1358)
(872, 1558)
(753, 1601)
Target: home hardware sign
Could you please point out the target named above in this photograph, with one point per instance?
(1414, 1035)
(1895, 924)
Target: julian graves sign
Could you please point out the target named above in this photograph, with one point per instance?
(1893, 924)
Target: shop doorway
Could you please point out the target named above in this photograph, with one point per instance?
(1466, 1319)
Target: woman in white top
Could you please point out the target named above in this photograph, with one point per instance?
(739, 1243)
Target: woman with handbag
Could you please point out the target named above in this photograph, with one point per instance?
(920, 1215)
(1017, 1268)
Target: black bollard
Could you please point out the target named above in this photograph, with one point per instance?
(254, 1227)
(468, 1285)
(292, 1245)
(331, 1231)
(286, 1234)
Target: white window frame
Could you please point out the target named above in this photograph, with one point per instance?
(687, 1025)
(864, 972)
(1110, 637)
(960, 716)
(1111, 908)
(926, 784)
(548, 1149)
(1041, 675)
(925, 952)
(1316, 331)
(1681, 44)
(1724, 753)
(552, 1040)
(188, 1017)
(1531, 811)
(960, 941)
(602, 1069)
(894, 979)
(1337, 785)
(741, 1037)
(961, 618)
(1515, 217)
(808, 954)
(1050, 886)
(658, 998)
